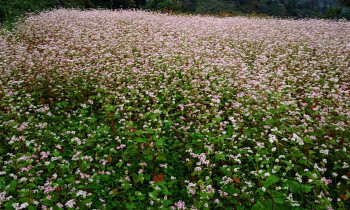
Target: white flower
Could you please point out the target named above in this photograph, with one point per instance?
(24, 205)
(272, 138)
(15, 205)
(70, 203)
(77, 140)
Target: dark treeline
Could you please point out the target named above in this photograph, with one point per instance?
(279, 8)
(10, 10)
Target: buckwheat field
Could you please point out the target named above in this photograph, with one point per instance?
(138, 110)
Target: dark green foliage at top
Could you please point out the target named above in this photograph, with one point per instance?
(215, 6)
(10, 10)
(278, 8)
(345, 2)
(174, 5)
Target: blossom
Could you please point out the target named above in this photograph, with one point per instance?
(70, 203)
(180, 205)
(272, 138)
(23, 205)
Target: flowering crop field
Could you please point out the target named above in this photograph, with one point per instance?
(132, 109)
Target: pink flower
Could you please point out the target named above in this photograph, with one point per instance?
(180, 205)
(70, 203)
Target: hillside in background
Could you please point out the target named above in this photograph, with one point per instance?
(279, 8)
(10, 10)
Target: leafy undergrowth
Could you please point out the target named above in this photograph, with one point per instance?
(130, 109)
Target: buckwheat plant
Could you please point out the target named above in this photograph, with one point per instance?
(132, 109)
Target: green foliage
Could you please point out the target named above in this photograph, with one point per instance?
(345, 2)
(216, 6)
(10, 10)
(333, 12)
(173, 5)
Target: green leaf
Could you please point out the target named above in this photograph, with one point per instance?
(32, 185)
(278, 197)
(130, 206)
(278, 168)
(130, 108)
(109, 108)
(167, 203)
(115, 203)
(306, 188)
(32, 207)
(2, 183)
(270, 181)
(160, 142)
(288, 163)
(56, 154)
(119, 164)
(153, 117)
(139, 195)
(70, 179)
(258, 206)
(311, 152)
(149, 130)
(87, 200)
(267, 204)
(89, 142)
(294, 186)
(140, 140)
(220, 156)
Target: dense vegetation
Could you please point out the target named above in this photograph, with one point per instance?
(10, 10)
(280, 8)
(134, 110)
